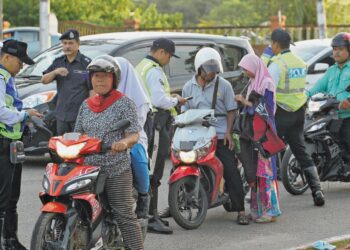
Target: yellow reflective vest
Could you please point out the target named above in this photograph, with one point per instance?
(143, 68)
(290, 89)
(13, 132)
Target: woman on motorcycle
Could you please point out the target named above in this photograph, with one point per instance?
(261, 171)
(96, 117)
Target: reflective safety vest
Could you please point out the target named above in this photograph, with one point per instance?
(290, 89)
(143, 68)
(13, 132)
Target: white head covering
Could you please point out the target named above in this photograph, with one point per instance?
(130, 83)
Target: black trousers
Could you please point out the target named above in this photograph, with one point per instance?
(162, 155)
(10, 179)
(344, 134)
(233, 181)
(64, 127)
(290, 127)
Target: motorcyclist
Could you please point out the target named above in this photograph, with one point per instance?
(334, 82)
(96, 116)
(201, 87)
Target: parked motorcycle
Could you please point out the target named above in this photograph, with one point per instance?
(75, 212)
(322, 142)
(196, 183)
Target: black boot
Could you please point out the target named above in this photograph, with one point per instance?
(313, 180)
(2, 223)
(10, 233)
(155, 223)
(142, 206)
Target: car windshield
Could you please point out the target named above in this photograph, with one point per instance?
(88, 48)
(307, 51)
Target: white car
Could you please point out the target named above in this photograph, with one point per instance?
(317, 53)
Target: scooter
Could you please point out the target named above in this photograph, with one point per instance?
(196, 182)
(75, 212)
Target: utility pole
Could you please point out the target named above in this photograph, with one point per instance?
(321, 19)
(45, 39)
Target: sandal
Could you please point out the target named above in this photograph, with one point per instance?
(242, 219)
(266, 219)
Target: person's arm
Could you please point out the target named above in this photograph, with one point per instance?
(185, 93)
(52, 72)
(79, 122)
(320, 86)
(275, 73)
(132, 132)
(159, 98)
(231, 106)
(11, 117)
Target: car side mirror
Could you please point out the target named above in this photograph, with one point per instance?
(321, 67)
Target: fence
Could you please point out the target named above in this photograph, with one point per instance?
(257, 34)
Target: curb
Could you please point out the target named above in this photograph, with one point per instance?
(329, 240)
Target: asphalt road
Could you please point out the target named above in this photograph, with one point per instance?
(300, 222)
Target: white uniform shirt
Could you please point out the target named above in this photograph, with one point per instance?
(155, 83)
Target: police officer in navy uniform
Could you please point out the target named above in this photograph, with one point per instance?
(73, 85)
(12, 121)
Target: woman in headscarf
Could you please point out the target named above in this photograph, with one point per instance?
(260, 170)
(130, 85)
(96, 117)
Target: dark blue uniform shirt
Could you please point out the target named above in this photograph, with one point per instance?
(72, 89)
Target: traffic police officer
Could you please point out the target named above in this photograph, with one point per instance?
(289, 74)
(12, 121)
(73, 85)
(158, 89)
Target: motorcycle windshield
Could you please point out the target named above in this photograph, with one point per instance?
(192, 116)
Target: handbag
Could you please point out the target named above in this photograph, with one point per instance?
(265, 138)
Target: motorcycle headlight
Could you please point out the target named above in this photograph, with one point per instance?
(78, 185)
(316, 127)
(37, 99)
(315, 106)
(203, 151)
(69, 152)
(188, 157)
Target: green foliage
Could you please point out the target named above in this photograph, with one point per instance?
(21, 13)
(338, 11)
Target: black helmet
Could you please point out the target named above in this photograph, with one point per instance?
(341, 40)
(105, 63)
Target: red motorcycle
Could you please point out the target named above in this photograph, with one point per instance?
(75, 212)
(196, 183)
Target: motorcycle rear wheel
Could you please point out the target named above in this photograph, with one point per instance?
(49, 228)
(293, 178)
(181, 202)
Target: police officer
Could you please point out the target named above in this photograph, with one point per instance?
(158, 89)
(12, 121)
(73, 85)
(289, 74)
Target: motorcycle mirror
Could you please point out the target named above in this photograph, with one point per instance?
(121, 125)
(347, 88)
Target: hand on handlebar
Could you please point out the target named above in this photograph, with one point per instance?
(119, 146)
(34, 112)
(344, 104)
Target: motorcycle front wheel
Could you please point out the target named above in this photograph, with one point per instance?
(188, 212)
(293, 178)
(48, 231)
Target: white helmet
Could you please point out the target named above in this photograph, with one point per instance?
(209, 59)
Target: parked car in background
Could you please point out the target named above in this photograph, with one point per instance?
(133, 46)
(30, 35)
(317, 53)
